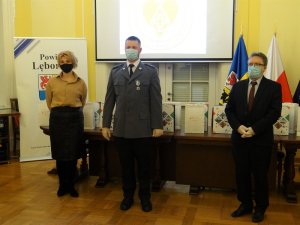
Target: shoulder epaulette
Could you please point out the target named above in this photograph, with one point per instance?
(117, 66)
(150, 66)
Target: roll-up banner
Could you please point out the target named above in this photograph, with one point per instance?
(35, 64)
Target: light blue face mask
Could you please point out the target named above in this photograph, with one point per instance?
(131, 54)
(254, 72)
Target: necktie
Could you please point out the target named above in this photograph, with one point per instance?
(131, 71)
(251, 95)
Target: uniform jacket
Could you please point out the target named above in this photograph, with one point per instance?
(137, 101)
(265, 112)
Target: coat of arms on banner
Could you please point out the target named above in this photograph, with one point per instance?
(220, 123)
(168, 115)
(42, 82)
(281, 127)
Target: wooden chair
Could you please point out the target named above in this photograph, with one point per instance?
(15, 124)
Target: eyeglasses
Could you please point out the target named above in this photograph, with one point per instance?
(255, 64)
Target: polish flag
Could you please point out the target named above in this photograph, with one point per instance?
(275, 71)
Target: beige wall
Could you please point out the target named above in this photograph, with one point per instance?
(257, 20)
(57, 18)
(284, 20)
(260, 19)
(7, 81)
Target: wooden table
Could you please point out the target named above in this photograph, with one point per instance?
(4, 132)
(291, 143)
(104, 161)
(205, 160)
(199, 160)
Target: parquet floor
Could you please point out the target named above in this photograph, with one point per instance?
(28, 197)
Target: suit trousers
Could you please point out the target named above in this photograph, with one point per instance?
(252, 163)
(66, 171)
(137, 150)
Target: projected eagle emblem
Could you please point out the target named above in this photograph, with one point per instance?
(160, 14)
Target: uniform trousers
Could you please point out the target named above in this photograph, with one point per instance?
(137, 150)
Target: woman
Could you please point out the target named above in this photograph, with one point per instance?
(66, 96)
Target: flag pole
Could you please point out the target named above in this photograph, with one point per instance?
(241, 34)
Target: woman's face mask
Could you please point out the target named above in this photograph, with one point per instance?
(66, 67)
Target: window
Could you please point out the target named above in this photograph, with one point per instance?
(190, 82)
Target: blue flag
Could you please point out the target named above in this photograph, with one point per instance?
(238, 70)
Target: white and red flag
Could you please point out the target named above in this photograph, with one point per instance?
(276, 72)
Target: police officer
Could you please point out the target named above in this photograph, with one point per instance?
(134, 89)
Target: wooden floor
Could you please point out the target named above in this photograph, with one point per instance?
(28, 197)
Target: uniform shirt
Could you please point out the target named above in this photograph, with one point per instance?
(63, 93)
(135, 64)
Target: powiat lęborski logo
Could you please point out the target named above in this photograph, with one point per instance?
(42, 82)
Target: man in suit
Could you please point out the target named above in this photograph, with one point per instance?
(254, 106)
(134, 89)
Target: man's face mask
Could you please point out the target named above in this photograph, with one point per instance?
(131, 54)
(254, 72)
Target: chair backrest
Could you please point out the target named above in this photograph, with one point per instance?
(14, 104)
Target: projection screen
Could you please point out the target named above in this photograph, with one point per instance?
(170, 30)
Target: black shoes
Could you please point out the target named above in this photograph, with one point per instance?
(146, 205)
(242, 210)
(126, 204)
(74, 193)
(61, 192)
(258, 216)
(53, 171)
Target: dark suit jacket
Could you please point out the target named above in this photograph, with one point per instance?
(265, 112)
(138, 101)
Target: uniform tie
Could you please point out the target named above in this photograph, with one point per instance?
(251, 95)
(131, 71)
